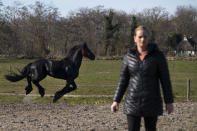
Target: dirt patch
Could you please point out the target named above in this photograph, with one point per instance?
(86, 117)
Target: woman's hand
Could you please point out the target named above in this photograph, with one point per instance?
(169, 108)
(114, 106)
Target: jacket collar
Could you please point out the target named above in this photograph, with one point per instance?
(151, 48)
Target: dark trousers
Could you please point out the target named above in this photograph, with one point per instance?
(134, 123)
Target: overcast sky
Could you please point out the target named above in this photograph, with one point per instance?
(128, 6)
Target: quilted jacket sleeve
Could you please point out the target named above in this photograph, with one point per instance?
(165, 80)
(123, 81)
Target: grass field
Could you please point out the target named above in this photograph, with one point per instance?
(98, 77)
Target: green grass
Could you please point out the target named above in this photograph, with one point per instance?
(180, 72)
(95, 77)
(75, 100)
(98, 77)
(11, 98)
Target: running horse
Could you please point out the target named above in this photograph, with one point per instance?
(67, 69)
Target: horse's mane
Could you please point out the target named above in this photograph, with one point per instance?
(73, 50)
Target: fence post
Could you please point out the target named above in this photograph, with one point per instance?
(10, 69)
(188, 89)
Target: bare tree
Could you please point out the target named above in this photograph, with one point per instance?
(157, 20)
(185, 20)
(38, 30)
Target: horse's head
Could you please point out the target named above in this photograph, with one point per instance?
(87, 52)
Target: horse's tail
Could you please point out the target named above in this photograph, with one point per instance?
(14, 77)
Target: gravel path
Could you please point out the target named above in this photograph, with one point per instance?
(85, 117)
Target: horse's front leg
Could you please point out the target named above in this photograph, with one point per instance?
(65, 90)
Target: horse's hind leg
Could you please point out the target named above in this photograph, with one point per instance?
(38, 75)
(29, 86)
(65, 90)
(40, 88)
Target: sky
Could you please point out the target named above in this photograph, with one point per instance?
(128, 6)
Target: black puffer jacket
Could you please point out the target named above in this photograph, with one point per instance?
(141, 80)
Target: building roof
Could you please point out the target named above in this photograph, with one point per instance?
(185, 45)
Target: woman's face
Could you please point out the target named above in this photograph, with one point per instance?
(141, 38)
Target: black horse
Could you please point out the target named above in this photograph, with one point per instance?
(67, 69)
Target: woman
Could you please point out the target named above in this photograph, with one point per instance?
(142, 69)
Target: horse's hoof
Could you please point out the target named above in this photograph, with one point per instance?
(42, 95)
(54, 100)
(42, 92)
(57, 97)
(28, 90)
